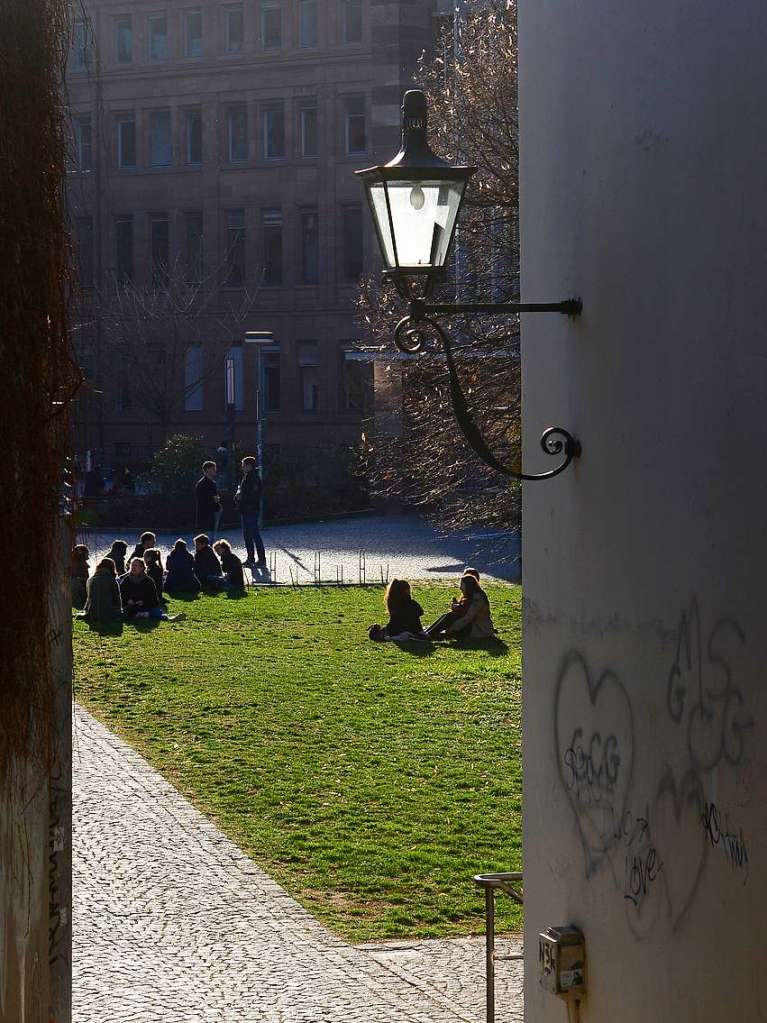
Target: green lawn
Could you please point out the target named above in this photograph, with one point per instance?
(372, 782)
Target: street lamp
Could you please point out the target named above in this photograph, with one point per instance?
(415, 200)
(231, 402)
(260, 339)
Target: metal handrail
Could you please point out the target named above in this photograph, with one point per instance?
(491, 884)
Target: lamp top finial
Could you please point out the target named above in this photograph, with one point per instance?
(414, 110)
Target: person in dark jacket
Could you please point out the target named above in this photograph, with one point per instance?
(404, 614)
(79, 575)
(231, 565)
(207, 500)
(117, 555)
(248, 500)
(104, 603)
(207, 567)
(154, 569)
(180, 577)
(145, 541)
(139, 593)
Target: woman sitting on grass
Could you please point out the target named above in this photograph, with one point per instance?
(117, 555)
(154, 569)
(469, 617)
(79, 575)
(103, 603)
(404, 614)
(139, 595)
(180, 577)
(231, 566)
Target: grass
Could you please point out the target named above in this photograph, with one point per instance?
(371, 781)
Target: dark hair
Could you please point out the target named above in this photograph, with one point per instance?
(472, 572)
(136, 561)
(108, 564)
(80, 554)
(154, 554)
(223, 543)
(397, 595)
(472, 585)
(208, 465)
(249, 460)
(146, 537)
(202, 538)
(120, 545)
(179, 545)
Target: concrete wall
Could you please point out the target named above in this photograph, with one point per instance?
(643, 190)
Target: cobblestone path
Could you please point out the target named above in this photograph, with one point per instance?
(173, 924)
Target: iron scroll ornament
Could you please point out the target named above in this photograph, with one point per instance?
(410, 337)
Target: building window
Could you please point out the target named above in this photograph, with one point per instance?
(351, 17)
(193, 33)
(307, 23)
(352, 235)
(308, 375)
(235, 249)
(274, 131)
(234, 29)
(80, 45)
(307, 129)
(124, 249)
(193, 379)
(83, 143)
(272, 225)
(84, 243)
(159, 138)
(270, 380)
(234, 355)
(354, 121)
(271, 25)
(357, 385)
(237, 134)
(193, 247)
(124, 38)
(193, 136)
(310, 247)
(157, 33)
(159, 240)
(126, 142)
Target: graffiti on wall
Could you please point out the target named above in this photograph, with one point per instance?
(648, 817)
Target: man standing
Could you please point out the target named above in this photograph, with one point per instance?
(248, 498)
(207, 499)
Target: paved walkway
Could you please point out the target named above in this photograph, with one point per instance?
(394, 545)
(173, 924)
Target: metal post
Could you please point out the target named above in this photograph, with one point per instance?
(260, 436)
(490, 954)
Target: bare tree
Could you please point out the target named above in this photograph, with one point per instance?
(472, 91)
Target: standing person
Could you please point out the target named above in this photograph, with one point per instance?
(207, 500)
(248, 499)
(104, 603)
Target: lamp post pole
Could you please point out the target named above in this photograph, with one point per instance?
(231, 399)
(260, 338)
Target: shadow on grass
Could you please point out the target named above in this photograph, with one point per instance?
(186, 597)
(495, 646)
(114, 628)
(236, 594)
(414, 647)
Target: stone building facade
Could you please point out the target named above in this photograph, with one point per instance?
(219, 140)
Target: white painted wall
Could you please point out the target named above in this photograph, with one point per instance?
(644, 190)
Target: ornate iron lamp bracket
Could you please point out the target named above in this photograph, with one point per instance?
(411, 335)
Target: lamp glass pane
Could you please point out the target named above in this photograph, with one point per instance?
(377, 198)
(424, 214)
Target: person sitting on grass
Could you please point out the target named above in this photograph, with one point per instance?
(207, 567)
(117, 555)
(231, 565)
(104, 603)
(139, 595)
(153, 564)
(180, 577)
(469, 617)
(79, 573)
(145, 541)
(404, 614)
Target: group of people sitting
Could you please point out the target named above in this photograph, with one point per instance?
(133, 587)
(468, 618)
